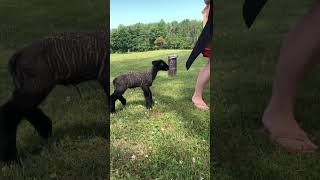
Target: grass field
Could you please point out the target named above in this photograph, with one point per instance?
(170, 141)
(78, 148)
(241, 87)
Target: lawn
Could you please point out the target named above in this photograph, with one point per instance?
(170, 141)
(241, 87)
(78, 148)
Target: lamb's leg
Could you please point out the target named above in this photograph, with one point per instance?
(21, 105)
(148, 96)
(113, 100)
(122, 100)
(27, 105)
(117, 94)
(41, 122)
(9, 120)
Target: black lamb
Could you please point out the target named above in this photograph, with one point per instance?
(136, 79)
(65, 59)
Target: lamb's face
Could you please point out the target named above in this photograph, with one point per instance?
(161, 65)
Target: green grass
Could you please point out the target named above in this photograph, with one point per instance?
(241, 87)
(170, 141)
(78, 148)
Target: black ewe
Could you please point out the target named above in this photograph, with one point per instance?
(65, 59)
(136, 79)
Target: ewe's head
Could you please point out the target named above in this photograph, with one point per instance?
(160, 65)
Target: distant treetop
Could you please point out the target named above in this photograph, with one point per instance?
(151, 36)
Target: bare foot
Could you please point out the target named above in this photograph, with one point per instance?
(199, 103)
(284, 130)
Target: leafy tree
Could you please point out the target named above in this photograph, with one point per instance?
(145, 37)
(159, 42)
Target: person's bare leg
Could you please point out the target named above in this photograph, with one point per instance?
(299, 53)
(202, 80)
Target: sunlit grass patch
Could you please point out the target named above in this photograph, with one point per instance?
(169, 141)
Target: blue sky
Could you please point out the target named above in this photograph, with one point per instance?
(129, 12)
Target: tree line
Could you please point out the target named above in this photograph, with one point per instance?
(159, 35)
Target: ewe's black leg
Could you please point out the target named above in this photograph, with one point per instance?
(9, 120)
(148, 96)
(27, 103)
(21, 105)
(41, 122)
